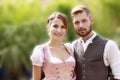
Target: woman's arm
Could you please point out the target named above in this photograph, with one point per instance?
(37, 72)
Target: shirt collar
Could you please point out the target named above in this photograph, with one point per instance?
(90, 40)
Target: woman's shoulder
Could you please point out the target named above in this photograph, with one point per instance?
(38, 49)
(40, 46)
(37, 56)
(67, 44)
(69, 47)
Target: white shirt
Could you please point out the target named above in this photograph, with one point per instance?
(111, 55)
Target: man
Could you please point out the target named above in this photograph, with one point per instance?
(95, 55)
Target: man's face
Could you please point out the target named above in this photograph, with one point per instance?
(82, 24)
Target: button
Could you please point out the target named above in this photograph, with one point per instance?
(83, 58)
(83, 65)
(58, 76)
(83, 71)
(73, 66)
(57, 72)
(83, 76)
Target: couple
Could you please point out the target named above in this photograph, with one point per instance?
(91, 57)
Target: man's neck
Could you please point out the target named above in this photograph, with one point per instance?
(85, 38)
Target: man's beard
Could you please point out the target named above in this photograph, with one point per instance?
(83, 35)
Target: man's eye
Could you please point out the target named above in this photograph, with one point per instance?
(76, 22)
(84, 21)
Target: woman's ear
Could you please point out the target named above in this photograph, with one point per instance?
(48, 26)
(48, 30)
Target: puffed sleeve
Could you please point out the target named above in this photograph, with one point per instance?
(37, 56)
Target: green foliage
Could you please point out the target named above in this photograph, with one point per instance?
(17, 44)
(106, 15)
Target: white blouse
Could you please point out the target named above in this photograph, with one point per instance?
(37, 56)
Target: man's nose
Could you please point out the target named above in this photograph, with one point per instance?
(81, 25)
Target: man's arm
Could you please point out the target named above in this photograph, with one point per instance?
(113, 58)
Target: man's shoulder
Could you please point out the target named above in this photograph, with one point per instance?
(99, 38)
(104, 38)
(109, 41)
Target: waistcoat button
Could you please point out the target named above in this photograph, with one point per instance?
(83, 58)
(83, 65)
(83, 76)
(83, 71)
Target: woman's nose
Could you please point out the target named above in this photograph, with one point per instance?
(59, 29)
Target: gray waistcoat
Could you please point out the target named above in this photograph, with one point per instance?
(90, 64)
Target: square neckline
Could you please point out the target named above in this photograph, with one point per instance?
(60, 60)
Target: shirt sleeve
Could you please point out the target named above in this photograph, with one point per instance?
(37, 56)
(112, 56)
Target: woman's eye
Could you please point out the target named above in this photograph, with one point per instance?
(63, 27)
(55, 26)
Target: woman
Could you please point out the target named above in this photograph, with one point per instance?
(54, 57)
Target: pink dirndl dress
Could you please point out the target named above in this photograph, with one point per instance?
(61, 70)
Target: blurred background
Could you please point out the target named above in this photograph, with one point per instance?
(23, 25)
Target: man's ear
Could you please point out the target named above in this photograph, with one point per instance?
(92, 20)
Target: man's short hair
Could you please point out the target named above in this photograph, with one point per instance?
(80, 9)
